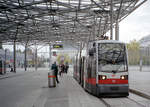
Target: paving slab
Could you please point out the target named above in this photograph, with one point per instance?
(19, 71)
(139, 80)
(68, 93)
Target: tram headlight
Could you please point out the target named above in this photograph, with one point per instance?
(124, 77)
(102, 77)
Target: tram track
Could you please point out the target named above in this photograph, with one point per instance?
(139, 94)
(131, 99)
(105, 102)
(136, 102)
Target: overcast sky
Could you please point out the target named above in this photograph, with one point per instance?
(137, 24)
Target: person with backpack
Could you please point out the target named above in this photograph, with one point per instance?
(55, 68)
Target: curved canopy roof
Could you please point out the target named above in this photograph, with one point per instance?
(145, 41)
(60, 20)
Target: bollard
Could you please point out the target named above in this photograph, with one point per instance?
(51, 79)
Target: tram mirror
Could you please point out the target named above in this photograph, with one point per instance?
(92, 51)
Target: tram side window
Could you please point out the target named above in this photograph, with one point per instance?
(93, 68)
(89, 68)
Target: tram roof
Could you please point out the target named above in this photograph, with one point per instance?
(109, 41)
(73, 21)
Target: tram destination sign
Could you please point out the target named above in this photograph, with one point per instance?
(57, 46)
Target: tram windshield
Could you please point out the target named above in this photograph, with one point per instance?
(112, 57)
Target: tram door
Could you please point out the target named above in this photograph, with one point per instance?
(82, 71)
(89, 70)
(80, 68)
(93, 75)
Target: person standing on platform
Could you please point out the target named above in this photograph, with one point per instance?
(66, 67)
(62, 68)
(55, 68)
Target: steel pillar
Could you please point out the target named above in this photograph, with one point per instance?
(117, 31)
(50, 56)
(36, 59)
(5, 61)
(1, 46)
(25, 58)
(14, 56)
(111, 20)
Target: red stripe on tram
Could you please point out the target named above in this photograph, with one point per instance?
(51, 76)
(91, 81)
(107, 81)
(113, 81)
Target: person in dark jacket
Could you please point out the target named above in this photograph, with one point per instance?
(66, 67)
(55, 68)
(62, 69)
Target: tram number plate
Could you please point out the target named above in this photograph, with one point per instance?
(114, 88)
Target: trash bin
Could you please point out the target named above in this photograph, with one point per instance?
(51, 79)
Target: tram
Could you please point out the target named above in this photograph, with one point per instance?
(103, 70)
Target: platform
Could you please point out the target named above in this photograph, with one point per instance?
(68, 93)
(139, 80)
(19, 71)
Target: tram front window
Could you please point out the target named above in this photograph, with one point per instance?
(112, 57)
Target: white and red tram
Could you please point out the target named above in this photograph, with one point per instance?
(103, 70)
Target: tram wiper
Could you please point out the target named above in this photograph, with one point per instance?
(106, 60)
(118, 68)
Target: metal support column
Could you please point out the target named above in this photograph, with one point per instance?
(1, 46)
(15, 56)
(50, 56)
(117, 31)
(36, 58)
(25, 57)
(141, 58)
(94, 27)
(80, 53)
(111, 20)
(5, 61)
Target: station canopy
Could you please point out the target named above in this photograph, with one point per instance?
(44, 21)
